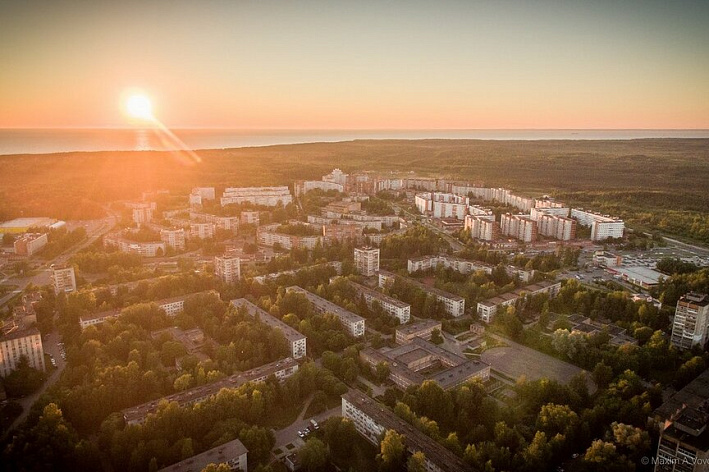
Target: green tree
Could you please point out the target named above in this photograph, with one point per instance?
(417, 462)
(313, 455)
(392, 452)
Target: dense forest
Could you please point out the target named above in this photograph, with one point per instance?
(658, 183)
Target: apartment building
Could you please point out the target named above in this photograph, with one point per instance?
(450, 262)
(442, 205)
(497, 194)
(265, 196)
(281, 370)
(394, 307)
(296, 341)
(336, 176)
(482, 227)
(372, 420)
(232, 453)
(16, 341)
(227, 223)
(145, 249)
(419, 360)
(354, 324)
(421, 329)
(488, 308)
(202, 230)
(63, 279)
(250, 217)
(206, 193)
(268, 235)
(337, 265)
(30, 243)
(520, 227)
(341, 232)
(227, 268)
(602, 226)
(142, 212)
(174, 238)
(557, 227)
(304, 186)
(537, 212)
(454, 304)
(366, 260)
(690, 326)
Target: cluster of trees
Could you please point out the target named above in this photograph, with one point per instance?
(416, 241)
(669, 290)
(59, 240)
(142, 235)
(95, 262)
(423, 304)
(672, 266)
(376, 206)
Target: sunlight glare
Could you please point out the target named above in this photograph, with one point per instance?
(139, 106)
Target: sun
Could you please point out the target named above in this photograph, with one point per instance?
(138, 106)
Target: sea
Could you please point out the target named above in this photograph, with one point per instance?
(45, 141)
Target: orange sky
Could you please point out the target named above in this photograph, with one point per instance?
(344, 65)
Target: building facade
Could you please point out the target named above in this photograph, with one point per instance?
(354, 324)
(16, 343)
(691, 323)
(227, 268)
(174, 238)
(64, 279)
(265, 196)
(367, 260)
(296, 341)
(396, 308)
(520, 227)
(30, 243)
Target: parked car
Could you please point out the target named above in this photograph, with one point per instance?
(314, 424)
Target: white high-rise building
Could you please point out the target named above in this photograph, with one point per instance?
(521, 227)
(367, 260)
(174, 238)
(691, 323)
(483, 227)
(18, 343)
(227, 268)
(64, 279)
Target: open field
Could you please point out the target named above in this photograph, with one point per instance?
(653, 182)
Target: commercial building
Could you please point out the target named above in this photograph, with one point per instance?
(172, 307)
(691, 322)
(602, 226)
(607, 259)
(520, 227)
(296, 341)
(482, 227)
(23, 225)
(396, 308)
(641, 276)
(233, 454)
(174, 238)
(372, 420)
(419, 360)
(684, 426)
(265, 196)
(17, 340)
(453, 304)
(64, 279)
(30, 243)
(488, 308)
(366, 260)
(354, 324)
(421, 329)
(227, 268)
(281, 370)
(202, 230)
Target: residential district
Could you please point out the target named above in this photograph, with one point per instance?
(356, 322)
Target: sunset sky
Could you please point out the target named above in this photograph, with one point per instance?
(357, 64)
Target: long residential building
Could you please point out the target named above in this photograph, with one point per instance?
(30, 243)
(482, 227)
(337, 265)
(172, 307)
(233, 454)
(202, 230)
(557, 227)
(372, 420)
(520, 227)
(690, 326)
(421, 329)
(228, 223)
(145, 249)
(304, 186)
(268, 235)
(16, 342)
(296, 340)
(454, 304)
(281, 370)
(266, 196)
(442, 205)
(396, 308)
(602, 226)
(463, 266)
(341, 232)
(488, 308)
(354, 324)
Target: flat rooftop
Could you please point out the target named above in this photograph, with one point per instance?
(40, 221)
(380, 296)
(220, 454)
(327, 305)
(409, 329)
(641, 274)
(266, 318)
(693, 395)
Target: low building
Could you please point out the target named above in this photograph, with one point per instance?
(23, 225)
(296, 340)
(354, 324)
(488, 308)
(396, 308)
(63, 279)
(607, 259)
(421, 329)
(227, 268)
(453, 304)
(366, 260)
(30, 244)
(281, 370)
(372, 420)
(641, 276)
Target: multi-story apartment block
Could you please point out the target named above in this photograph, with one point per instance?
(684, 429)
(30, 243)
(396, 308)
(537, 212)
(557, 227)
(488, 308)
(304, 186)
(227, 268)
(16, 342)
(499, 194)
(372, 420)
(250, 217)
(442, 205)
(145, 249)
(453, 304)
(228, 223)
(336, 176)
(341, 232)
(281, 370)
(602, 226)
(366, 260)
(520, 227)
(336, 265)
(268, 235)
(206, 193)
(338, 209)
(172, 307)
(174, 238)
(266, 196)
(483, 227)
(64, 279)
(202, 230)
(409, 363)
(463, 266)
(421, 329)
(232, 453)
(691, 323)
(296, 341)
(354, 324)
(142, 212)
